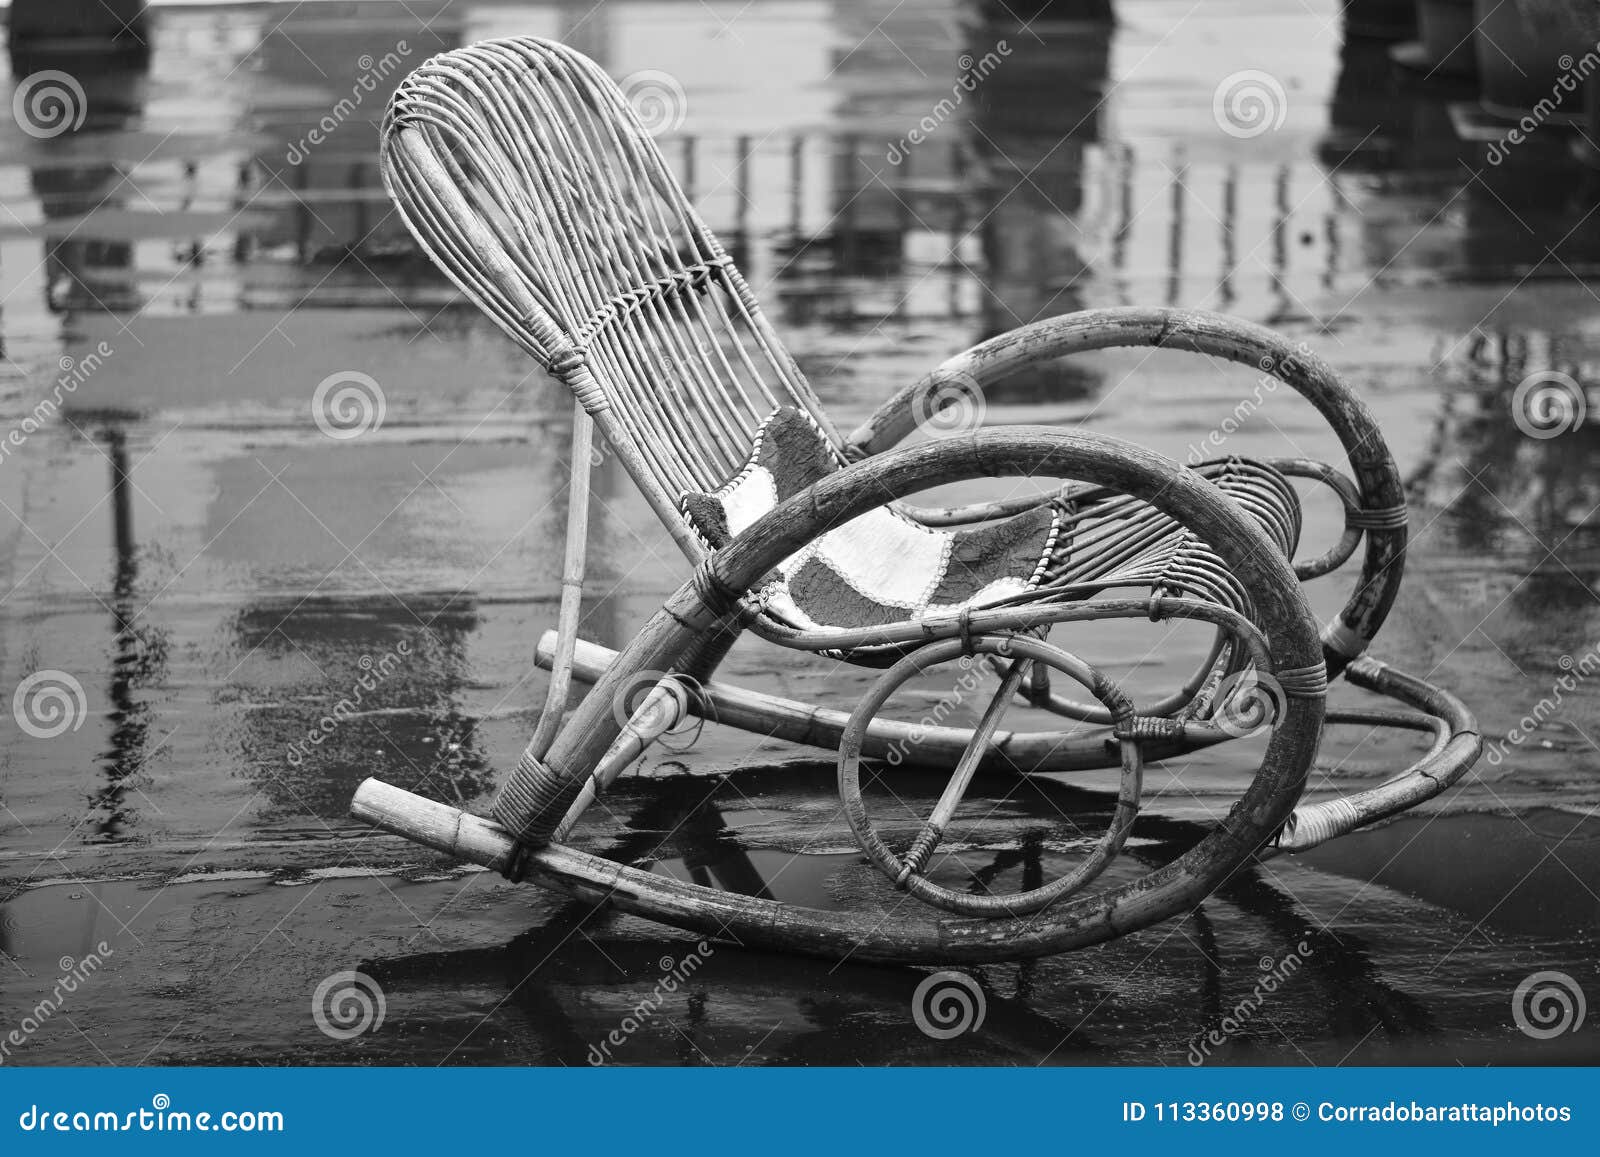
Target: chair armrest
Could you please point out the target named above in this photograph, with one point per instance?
(1381, 514)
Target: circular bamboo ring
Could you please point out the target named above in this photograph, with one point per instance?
(905, 873)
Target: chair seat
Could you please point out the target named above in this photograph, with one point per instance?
(887, 567)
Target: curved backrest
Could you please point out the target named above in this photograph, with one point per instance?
(526, 175)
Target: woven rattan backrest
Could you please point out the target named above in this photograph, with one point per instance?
(526, 175)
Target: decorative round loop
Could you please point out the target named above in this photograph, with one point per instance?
(1349, 496)
(907, 871)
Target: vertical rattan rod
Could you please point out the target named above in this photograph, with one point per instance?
(572, 568)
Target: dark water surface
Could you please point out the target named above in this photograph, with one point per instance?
(215, 573)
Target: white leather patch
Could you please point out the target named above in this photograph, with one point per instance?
(885, 558)
(750, 496)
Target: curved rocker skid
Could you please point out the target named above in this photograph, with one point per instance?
(535, 800)
(1455, 749)
(1381, 514)
(892, 938)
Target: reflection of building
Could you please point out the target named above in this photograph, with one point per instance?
(958, 164)
(1524, 216)
(83, 271)
(321, 78)
(1379, 19)
(1384, 117)
(46, 34)
(1035, 122)
(1527, 501)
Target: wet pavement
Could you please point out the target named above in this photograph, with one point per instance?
(215, 572)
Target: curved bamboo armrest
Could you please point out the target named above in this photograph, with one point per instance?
(1381, 515)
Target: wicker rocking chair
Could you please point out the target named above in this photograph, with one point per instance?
(523, 172)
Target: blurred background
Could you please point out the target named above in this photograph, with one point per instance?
(201, 553)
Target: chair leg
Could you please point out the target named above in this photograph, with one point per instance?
(661, 709)
(572, 571)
